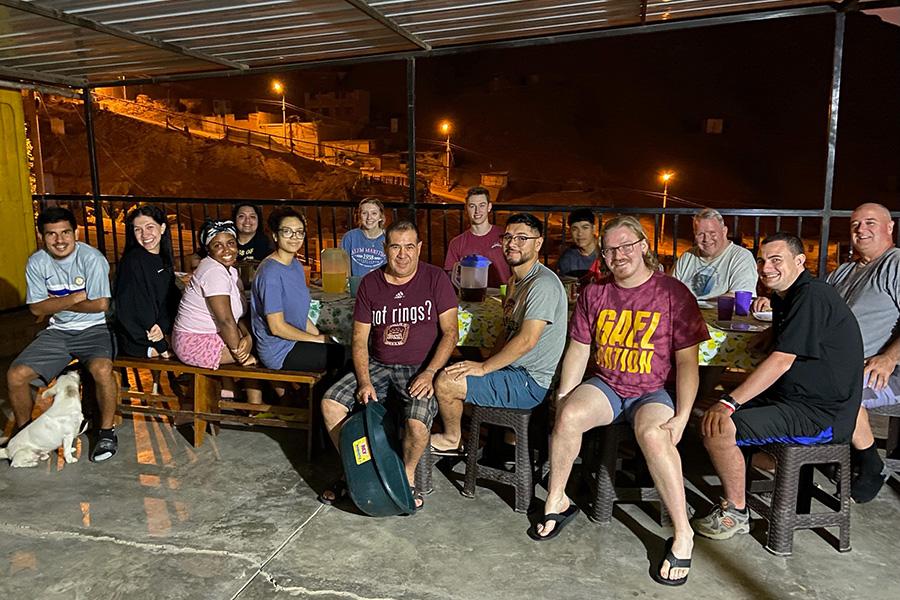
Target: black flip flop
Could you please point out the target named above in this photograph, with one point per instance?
(338, 488)
(674, 563)
(417, 497)
(453, 452)
(559, 518)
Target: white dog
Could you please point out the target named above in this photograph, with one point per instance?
(57, 426)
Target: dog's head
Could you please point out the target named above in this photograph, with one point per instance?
(67, 386)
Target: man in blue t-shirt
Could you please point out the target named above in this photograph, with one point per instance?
(68, 281)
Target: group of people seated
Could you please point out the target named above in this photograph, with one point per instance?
(628, 352)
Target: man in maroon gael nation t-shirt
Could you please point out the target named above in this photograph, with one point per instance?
(640, 324)
(406, 313)
(481, 238)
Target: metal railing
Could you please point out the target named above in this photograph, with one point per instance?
(438, 223)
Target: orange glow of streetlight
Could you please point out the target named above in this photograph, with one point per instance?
(445, 127)
(277, 86)
(665, 177)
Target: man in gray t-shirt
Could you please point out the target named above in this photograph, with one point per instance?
(870, 284)
(522, 364)
(68, 282)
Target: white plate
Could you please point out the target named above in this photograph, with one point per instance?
(739, 326)
(763, 316)
(705, 304)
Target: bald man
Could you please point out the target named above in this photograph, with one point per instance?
(870, 284)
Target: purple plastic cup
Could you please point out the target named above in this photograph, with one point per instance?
(725, 306)
(742, 302)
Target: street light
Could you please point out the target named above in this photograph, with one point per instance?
(279, 89)
(446, 126)
(665, 177)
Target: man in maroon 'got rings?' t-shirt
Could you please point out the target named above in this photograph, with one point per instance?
(407, 313)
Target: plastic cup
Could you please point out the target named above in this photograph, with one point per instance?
(503, 290)
(742, 302)
(725, 307)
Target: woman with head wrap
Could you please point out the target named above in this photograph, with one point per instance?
(146, 298)
(208, 331)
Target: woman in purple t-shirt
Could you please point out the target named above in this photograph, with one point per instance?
(286, 338)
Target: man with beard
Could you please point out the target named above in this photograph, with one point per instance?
(68, 281)
(640, 324)
(524, 360)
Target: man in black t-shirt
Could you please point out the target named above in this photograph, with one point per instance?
(807, 391)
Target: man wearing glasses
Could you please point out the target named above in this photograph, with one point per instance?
(523, 362)
(640, 324)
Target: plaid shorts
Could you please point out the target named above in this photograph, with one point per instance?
(387, 378)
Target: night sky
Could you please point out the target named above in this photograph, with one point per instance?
(608, 115)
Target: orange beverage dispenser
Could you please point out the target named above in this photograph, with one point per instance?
(335, 270)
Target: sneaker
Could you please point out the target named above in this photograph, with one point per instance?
(866, 486)
(106, 446)
(723, 522)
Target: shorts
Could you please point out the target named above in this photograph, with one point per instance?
(312, 356)
(387, 378)
(198, 349)
(624, 409)
(52, 349)
(510, 387)
(889, 395)
(764, 421)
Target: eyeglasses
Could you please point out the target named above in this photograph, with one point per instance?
(625, 249)
(518, 239)
(291, 233)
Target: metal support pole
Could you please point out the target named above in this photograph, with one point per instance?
(837, 64)
(95, 173)
(411, 133)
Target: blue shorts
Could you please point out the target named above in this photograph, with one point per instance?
(510, 387)
(625, 408)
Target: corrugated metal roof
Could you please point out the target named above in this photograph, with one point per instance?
(81, 42)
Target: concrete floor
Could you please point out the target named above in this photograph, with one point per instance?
(238, 518)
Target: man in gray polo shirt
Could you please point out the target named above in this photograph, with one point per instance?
(524, 361)
(68, 281)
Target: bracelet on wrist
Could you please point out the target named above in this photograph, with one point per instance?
(728, 401)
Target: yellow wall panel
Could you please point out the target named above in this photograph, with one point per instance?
(16, 215)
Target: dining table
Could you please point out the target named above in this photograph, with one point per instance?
(730, 343)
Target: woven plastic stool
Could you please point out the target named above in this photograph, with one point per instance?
(522, 476)
(792, 491)
(602, 464)
(892, 445)
(424, 482)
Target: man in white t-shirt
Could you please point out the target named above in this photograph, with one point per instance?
(481, 238)
(68, 281)
(715, 266)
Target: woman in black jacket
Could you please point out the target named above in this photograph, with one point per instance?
(146, 298)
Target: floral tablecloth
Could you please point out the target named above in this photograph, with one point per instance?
(479, 322)
(727, 348)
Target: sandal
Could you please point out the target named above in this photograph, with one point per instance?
(561, 520)
(674, 563)
(338, 489)
(106, 447)
(418, 498)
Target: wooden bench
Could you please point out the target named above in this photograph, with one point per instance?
(207, 401)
